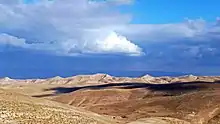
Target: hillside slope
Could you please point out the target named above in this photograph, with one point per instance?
(20, 109)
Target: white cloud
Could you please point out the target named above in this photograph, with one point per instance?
(190, 29)
(6, 39)
(114, 42)
(193, 30)
(199, 38)
(93, 26)
(70, 27)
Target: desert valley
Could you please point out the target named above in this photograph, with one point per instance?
(104, 99)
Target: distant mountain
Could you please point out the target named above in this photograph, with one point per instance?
(46, 73)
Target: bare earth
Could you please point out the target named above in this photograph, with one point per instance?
(103, 99)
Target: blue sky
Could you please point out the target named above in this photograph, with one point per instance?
(60, 36)
(164, 11)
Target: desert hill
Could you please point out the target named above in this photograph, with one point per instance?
(21, 109)
(105, 78)
(102, 98)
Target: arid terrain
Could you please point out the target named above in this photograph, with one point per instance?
(104, 99)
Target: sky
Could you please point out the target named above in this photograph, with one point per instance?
(174, 11)
(41, 38)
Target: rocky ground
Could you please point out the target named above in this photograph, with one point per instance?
(102, 98)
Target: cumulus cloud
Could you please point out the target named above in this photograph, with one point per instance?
(70, 27)
(190, 38)
(97, 27)
(76, 27)
(114, 42)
